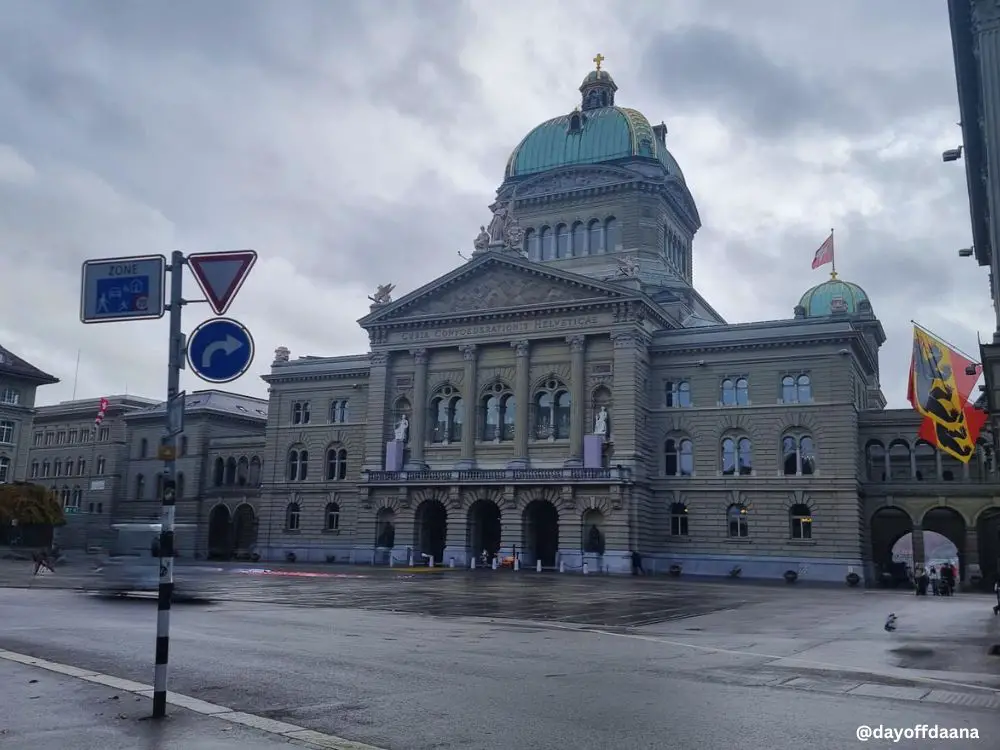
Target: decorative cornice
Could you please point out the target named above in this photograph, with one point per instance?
(299, 377)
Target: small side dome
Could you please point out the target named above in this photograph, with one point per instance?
(834, 297)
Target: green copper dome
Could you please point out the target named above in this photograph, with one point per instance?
(598, 132)
(834, 296)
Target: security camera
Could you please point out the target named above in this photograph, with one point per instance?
(952, 154)
(965, 252)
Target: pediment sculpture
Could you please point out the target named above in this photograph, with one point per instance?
(383, 295)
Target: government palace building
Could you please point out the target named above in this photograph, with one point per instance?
(567, 394)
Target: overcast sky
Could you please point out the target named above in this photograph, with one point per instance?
(356, 143)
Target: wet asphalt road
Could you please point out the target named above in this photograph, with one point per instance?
(746, 666)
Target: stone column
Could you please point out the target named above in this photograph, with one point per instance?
(578, 396)
(418, 426)
(375, 429)
(469, 393)
(970, 555)
(522, 404)
(918, 546)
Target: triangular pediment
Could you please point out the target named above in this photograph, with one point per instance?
(495, 282)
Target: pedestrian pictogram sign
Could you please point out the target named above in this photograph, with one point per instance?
(220, 275)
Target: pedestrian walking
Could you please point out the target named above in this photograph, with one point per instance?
(41, 560)
(637, 569)
(996, 590)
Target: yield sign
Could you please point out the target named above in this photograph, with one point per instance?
(220, 275)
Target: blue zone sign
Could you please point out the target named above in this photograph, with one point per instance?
(116, 289)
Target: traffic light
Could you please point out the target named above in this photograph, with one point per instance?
(169, 491)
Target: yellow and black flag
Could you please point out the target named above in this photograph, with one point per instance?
(941, 380)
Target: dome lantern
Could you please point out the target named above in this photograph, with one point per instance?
(598, 88)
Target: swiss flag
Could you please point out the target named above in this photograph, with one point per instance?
(825, 253)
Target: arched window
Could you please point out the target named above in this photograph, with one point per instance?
(242, 471)
(562, 241)
(293, 517)
(498, 414)
(35, 468)
(678, 393)
(801, 521)
(739, 525)
(81, 466)
(253, 478)
(548, 243)
(143, 448)
(742, 392)
(679, 453)
(875, 461)
(678, 519)
(531, 245)
(101, 465)
(448, 409)
(612, 234)
(58, 468)
(336, 463)
(728, 397)
(65, 496)
(803, 386)
(219, 472)
(579, 244)
(46, 469)
(595, 238)
(230, 471)
(737, 456)
(552, 408)
(899, 461)
(76, 497)
(331, 518)
(140, 486)
(926, 458)
(69, 467)
(298, 464)
(798, 455)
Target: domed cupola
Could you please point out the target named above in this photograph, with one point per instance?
(598, 88)
(833, 297)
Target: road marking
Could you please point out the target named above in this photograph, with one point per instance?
(301, 735)
(774, 657)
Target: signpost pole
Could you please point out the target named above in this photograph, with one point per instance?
(169, 455)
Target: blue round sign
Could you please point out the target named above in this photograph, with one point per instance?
(220, 350)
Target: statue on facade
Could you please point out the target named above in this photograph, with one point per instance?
(282, 354)
(383, 295)
(601, 422)
(402, 427)
(497, 223)
(482, 242)
(628, 266)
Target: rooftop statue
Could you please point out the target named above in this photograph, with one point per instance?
(383, 295)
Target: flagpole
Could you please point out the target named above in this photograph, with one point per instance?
(945, 341)
(76, 374)
(833, 256)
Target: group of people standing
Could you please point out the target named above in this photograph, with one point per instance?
(940, 580)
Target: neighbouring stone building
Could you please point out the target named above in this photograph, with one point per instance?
(19, 382)
(568, 392)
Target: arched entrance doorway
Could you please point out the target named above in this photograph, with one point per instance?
(541, 533)
(484, 528)
(431, 530)
(888, 526)
(988, 532)
(220, 533)
(244, 529)
(949, 523)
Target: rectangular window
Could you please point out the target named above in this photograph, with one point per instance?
(74, 436)
(37, 439)
(49, 438)
(105, 434)
(6, 432)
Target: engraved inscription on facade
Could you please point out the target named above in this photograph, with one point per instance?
(458, 333)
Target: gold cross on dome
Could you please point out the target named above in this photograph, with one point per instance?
(598, 59)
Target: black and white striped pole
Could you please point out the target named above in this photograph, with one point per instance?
(168, 452)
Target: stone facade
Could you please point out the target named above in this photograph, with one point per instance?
(83, 463)
(19, 382)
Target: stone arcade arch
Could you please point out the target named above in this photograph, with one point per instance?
(483, 528)
(988, 533)
(244, 529)
(220, 533)
(949, 523)
(430, 531)
(541, 533)
(888, 525)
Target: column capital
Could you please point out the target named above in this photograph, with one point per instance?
(378, 359)
(419, 356)
(468, 351)
(576, 343)
(521, 347)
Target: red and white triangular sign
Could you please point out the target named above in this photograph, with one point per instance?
(220, 275)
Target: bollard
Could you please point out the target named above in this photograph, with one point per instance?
(430, 561)
(494, 563)
(409, 560)
(472, 563)
(451, 562)
(562, 566)
(538, 566)
(517, 563)
(391, 559)
(586, 568)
